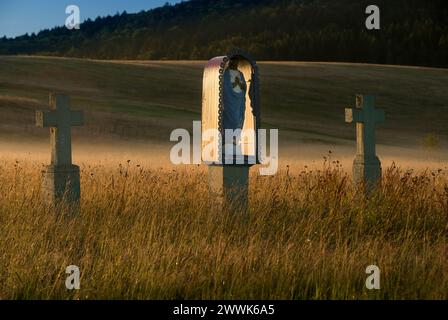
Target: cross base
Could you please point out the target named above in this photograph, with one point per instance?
(229, 186)
(61, 186)
(367, 171)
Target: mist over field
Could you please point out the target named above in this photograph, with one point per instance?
(133, 114)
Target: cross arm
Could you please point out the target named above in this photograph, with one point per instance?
(353, 115)
(46, 119)
(76, 118)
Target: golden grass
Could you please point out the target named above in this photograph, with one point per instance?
(148, 233)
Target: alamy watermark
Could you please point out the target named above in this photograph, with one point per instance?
(182, 153)
(73, 280)
(73, 21)
(373, 20)
(373, 280)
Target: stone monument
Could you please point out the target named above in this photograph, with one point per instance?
(61, 179)
(366, 166)
(230, 120)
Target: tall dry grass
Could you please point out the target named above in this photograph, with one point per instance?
(149, 233)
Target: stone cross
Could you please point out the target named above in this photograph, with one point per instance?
(60, 120)
(366, 166)
(61, 179)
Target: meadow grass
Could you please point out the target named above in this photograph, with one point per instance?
(155, 233)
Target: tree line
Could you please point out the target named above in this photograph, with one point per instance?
(413, 32)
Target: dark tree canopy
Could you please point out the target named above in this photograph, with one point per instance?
(413, 32)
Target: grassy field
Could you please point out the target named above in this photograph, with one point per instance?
(147, 100)
(155, 234)
(149, 230)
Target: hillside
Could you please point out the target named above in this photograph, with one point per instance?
(413, 32)
(147, 100)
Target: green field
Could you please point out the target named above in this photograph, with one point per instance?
(148, 100)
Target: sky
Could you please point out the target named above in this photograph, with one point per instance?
(18, 17)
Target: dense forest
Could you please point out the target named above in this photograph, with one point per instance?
(413, 32)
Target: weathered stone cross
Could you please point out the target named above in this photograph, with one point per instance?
(366, 166)
(60, 120)
(61, 179)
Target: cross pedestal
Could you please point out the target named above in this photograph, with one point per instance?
(366, 166)
(61, 183)
(229, 186)
(61, 179)
(366, 170)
